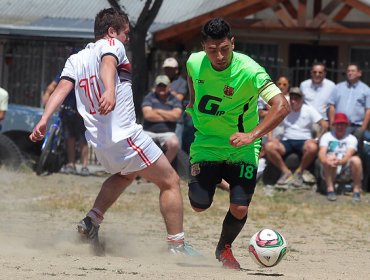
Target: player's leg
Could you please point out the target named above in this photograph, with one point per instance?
(242, 178)
(111, 189)
(123, 160)
(164, 176)
(202, 184)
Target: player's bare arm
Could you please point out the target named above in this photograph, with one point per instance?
(191, 92)
(54, 102)
(108, 69)
(279, 109)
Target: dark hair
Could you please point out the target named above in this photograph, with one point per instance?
(216, 28)
(354, 64)
(109, 18)
(319, 64)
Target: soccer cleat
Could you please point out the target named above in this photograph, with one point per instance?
(227, 258)
(89, 232)
(183, 249)
(87, 229)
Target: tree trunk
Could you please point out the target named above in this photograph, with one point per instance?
(139, 71)
(137, 45)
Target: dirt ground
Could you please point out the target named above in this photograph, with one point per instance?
(38, 239)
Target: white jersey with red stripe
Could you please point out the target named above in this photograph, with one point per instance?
(83, 69)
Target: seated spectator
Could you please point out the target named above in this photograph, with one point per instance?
(337, 156)
(161, 111)
(316, 91)
(4, 96)
(296, 138)
(179, 86)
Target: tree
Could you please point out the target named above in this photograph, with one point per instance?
(138, 33)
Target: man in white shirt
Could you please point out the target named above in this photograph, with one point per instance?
(316, 91)
(297, 138)
(100, 75)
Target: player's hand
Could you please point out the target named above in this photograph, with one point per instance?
(239, 139)
(107, 103)
(38, 132)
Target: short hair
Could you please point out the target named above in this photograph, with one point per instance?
(319, 64)
(354, 64)
(216, 28)
(109, 18)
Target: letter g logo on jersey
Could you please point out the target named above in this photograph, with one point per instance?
(210, 104)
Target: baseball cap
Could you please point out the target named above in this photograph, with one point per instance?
(340, 118)
(296, 91)
(170, 62)
(162, 79)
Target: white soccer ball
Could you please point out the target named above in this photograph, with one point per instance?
(267, 247)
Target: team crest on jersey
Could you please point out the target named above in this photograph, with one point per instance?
(228, 91)
(195, 169)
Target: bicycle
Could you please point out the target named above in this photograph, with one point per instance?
(52, 155)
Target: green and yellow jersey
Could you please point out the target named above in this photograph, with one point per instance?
(225, 102)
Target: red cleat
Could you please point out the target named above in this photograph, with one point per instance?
(226, 257)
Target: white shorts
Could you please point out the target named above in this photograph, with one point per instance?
(129, 155)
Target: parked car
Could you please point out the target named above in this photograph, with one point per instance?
(17, 126)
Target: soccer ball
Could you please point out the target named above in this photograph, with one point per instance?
(267, 247)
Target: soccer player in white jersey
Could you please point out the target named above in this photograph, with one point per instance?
(100, 75)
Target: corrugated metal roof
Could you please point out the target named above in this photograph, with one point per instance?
(41, 17)
(35, 17)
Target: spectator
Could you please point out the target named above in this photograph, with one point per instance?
(4, 96)
(73, 129)
(297, 138)
(179, 86)
(337, 155)
(283, 84)
(316, 91)
(161, 111)
(352, 97)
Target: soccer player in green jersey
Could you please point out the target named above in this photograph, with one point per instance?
(224, 87)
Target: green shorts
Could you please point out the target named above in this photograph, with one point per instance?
(204, 152)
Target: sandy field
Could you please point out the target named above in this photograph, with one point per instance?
(38, 238)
